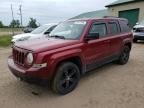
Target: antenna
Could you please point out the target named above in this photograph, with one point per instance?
(12, 18)
(21, 19)
(20, 9)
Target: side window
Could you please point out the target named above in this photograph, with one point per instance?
(113, 27)
(99, 28)
(124, 26)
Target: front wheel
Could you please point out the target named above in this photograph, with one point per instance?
(66, 78)
(134, 40)
(124, 57)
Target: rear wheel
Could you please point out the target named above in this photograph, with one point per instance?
(134, 40)
(124, 57)
(66, 78)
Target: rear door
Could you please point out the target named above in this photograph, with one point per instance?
(115, 38)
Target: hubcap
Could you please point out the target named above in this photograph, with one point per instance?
(68, 78)
(125, 55)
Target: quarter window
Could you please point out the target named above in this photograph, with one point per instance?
(124, 26)
(98, 28)
(113, 27)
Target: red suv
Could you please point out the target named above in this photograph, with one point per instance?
(73, 48)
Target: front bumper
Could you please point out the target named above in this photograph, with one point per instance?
(32, 75)
(139, 36)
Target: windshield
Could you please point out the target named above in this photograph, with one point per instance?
(69, 30)
(41, 29)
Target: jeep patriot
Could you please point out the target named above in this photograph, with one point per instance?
(73, 48)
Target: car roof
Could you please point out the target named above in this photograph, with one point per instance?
(105, 18)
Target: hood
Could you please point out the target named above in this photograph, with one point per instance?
(22, 35)
(27, 35)
(45, 44)
(139, 26)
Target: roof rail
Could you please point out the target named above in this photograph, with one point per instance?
(110, 17)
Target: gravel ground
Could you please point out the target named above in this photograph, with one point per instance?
(111, 86)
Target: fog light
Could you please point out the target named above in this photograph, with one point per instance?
(40, 65)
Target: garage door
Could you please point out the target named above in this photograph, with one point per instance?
(131, 15)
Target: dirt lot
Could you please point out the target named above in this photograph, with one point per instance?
(111, 86)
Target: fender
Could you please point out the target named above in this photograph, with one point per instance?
(56, 58)
(61, 56)
(45, 56)
(125, 41)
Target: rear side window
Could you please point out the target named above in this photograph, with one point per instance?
(98, 28)
(124, 26)
(113, 27)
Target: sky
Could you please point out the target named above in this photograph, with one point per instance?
(48, 11)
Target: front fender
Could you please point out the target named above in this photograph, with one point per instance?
(61, 56)
(56, 58)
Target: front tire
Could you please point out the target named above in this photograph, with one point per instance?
(124, 57)
(66, 78)
(134, 40)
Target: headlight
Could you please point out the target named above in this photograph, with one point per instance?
(29, 58)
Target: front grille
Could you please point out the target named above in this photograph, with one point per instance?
(19, 56)
(139, 30)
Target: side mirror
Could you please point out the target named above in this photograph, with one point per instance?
(137, 23)
(92, 36)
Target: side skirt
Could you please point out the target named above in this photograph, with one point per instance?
(96, 64)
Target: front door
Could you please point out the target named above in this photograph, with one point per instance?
(115, 38)
(96, 50)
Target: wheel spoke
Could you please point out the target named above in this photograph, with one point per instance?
(125, 56)
(62, 81)
(67, 84)
(71, 80)
(66, 72)
(72, 73)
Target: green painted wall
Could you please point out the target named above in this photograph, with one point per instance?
(131, 15)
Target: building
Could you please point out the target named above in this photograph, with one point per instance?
(93, 14)
(133, 10)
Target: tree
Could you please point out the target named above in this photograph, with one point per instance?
(32, 23)
(15, 23)
(1, 24)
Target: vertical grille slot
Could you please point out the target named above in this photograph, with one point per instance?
(18, 56)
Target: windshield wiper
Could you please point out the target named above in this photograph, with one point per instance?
(57, 36)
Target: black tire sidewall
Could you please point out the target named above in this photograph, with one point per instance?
(121, 60)
(55, 86)
(134, 40)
